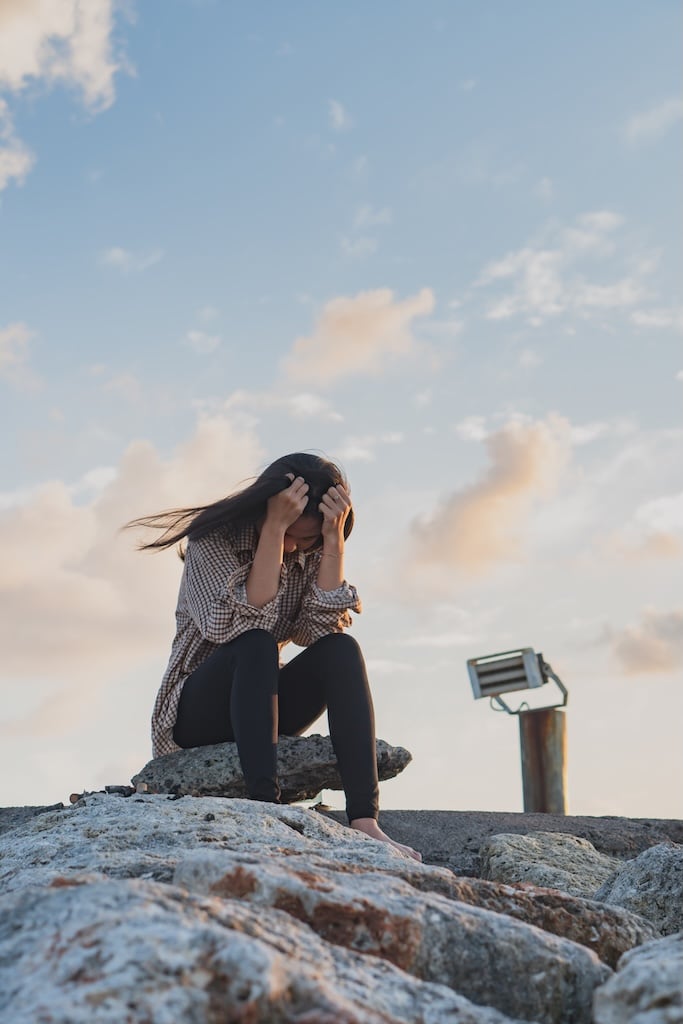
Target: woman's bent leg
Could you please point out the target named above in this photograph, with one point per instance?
(233, 696)
(332, 672)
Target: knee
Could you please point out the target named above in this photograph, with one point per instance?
(341, 647)
(255, 642)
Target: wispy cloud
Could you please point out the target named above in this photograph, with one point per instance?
(650, 125)
(548, 278)
(301, 405)
(14, 356)
(655, 644)
(362, 448)
(482, 525)
(358, 248)
(369, 216)
(202, 342)
(16, 159)
(14, 341)
(358, 334)
(129, 262)
(339, 118)
(83, 579)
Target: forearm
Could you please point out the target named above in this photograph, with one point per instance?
(331, 571)
(264, 578)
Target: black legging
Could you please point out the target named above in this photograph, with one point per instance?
(239, 693)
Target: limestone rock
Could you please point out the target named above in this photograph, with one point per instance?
(453, 839)
(306, 765)
(136, 951)
(648, 987)
(608, 931)
(549, 859)
(144, 837)
(481, 955)
(148, 836)
(652, 886)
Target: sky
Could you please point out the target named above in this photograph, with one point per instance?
(437, 242)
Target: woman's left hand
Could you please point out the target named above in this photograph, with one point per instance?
(335, 507)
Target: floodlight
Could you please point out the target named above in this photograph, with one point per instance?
(520, 669)
(542, 730)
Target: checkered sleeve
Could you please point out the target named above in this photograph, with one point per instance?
(324, 611)
(215, 591)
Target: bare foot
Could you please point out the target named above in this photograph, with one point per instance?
(370, 828)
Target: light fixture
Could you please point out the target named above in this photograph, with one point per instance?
(520, 669)
(542, 730)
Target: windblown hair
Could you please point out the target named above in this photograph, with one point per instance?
(248, 505)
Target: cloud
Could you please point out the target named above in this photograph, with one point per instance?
(358, 248)
(14, 346)
(339, 118)
(16, 160)
(78, 601)
(480, 525)
(546, 279)
(14, 341)
(652, 124)
(59, 41)
(358, 334)
(656, 531)
(655, 644)
(361, 449)
(659, 318)
(302, 405)
(129, 262)
(367, 216)
(202, 342)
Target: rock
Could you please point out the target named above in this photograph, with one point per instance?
(453, 839)
(144, 836)
(652, 886)
(548, 859)
(149, 836)
(136, 951)
(608, 931)
(12, 817)
(306, 765)
(479, 954)
(648, 987)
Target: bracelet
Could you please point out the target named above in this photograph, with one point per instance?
(328, 554)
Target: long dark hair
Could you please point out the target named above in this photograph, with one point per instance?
(249, 504)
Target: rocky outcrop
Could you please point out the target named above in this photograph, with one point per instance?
(83, 951)
(151, 907)
(608, 931)
(652, 886)
(306, 765)
(648, 987)
(480, 954)
(549, 859)
(454, 839)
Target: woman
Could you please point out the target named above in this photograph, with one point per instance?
(263, 567)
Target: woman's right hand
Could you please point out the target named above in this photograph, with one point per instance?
(285, 507)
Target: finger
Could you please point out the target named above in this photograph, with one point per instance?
(298, 485)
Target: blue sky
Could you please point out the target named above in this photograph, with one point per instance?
(439, 242)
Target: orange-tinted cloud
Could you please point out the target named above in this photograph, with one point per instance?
(76, 597)
(357, 335)
(655, 644)
(478, 526)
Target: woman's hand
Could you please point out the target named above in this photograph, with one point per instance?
(285, 507)
(335, 507)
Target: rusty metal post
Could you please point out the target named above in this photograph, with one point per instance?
(543, 743)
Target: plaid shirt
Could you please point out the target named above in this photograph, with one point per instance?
(213, 609)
